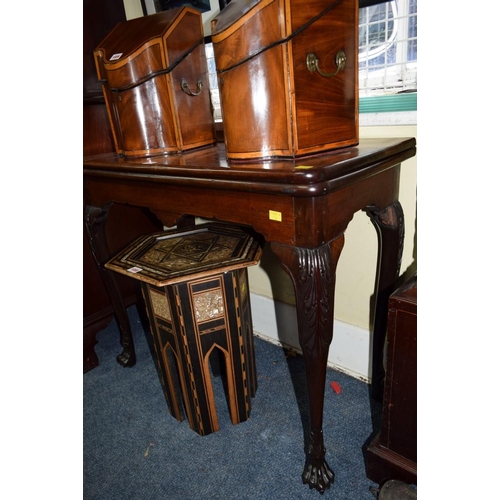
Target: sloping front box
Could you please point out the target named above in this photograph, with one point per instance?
(276, 62)
(155, 83)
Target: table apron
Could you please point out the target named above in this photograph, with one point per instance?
(293, 220)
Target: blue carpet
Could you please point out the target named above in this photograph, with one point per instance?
(134, 449)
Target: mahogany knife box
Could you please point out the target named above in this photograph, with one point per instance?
(274, 102)
(154, 77)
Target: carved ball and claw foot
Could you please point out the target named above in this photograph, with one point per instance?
(317, 473)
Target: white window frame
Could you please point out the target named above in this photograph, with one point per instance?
(388, 78)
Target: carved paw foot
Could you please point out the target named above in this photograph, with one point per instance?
(126, 358)
(317, 474)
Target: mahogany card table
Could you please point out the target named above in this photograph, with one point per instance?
(301, 207)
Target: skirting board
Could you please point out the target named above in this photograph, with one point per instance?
(276, 322)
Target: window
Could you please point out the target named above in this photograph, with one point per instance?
(388, 48)
(212, 75)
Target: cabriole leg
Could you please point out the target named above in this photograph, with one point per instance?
(389, 223)
(313, 276)
(95, 223)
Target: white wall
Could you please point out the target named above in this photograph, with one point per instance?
(133, 9)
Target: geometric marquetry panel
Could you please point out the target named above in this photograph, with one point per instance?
(160, 305)
(170, 256)
(208, 305)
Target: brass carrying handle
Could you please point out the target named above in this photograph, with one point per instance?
(312, 63)
(185, 87)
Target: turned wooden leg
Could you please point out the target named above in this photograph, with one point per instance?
(95, 222)
(313, 276)
(389, 223)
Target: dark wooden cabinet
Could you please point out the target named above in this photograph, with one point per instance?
(393, 452)
(127, 222)
(99, 18)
